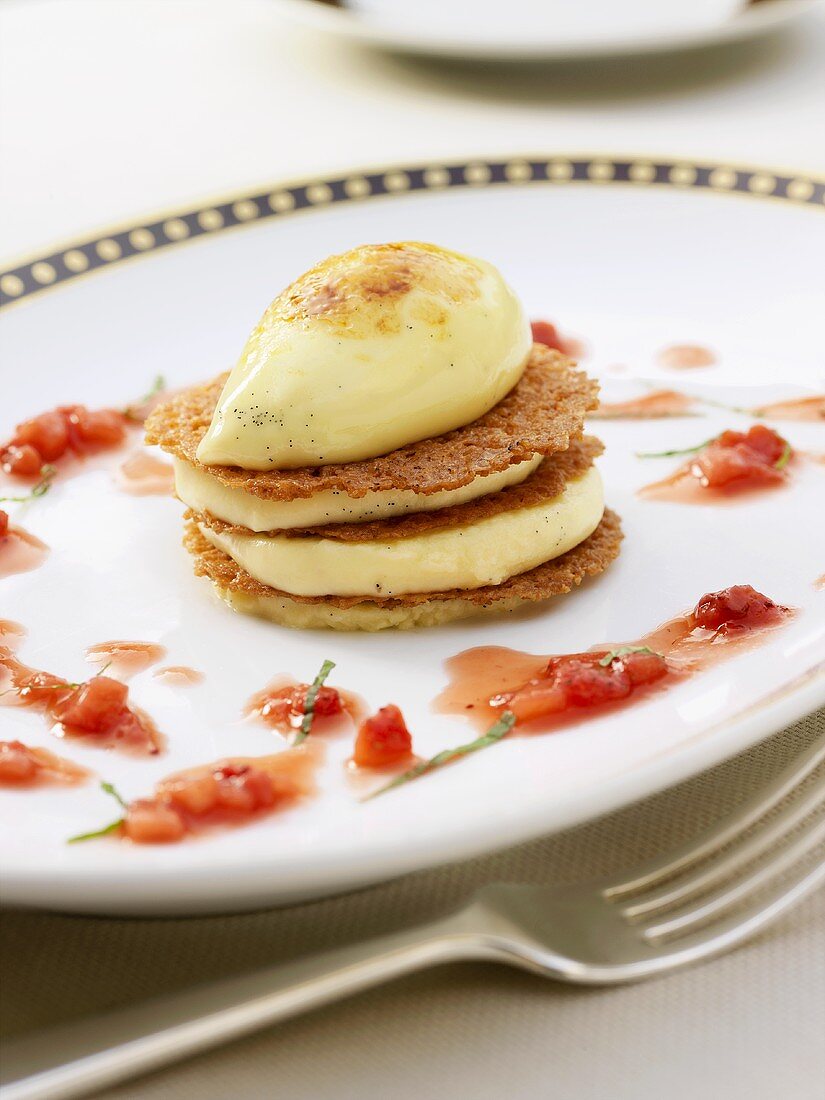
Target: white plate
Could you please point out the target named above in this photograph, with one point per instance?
(533, 30)
(630, 267)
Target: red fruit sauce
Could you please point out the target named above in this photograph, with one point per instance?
(547, 693)
(67, 431)
(686, 357)
(125, 659)
(20, 552)
(22, 766)
(281, 706)
(547, 334)
(97, 710)
(229, 792)
(652, 406)
(799, 408)
(143, 474)
(178, 675)
(733, 463)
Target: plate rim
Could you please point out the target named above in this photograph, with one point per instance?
(65, 262)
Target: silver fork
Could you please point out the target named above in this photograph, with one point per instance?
(697, 902)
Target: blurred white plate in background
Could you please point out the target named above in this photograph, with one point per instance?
(543, 29)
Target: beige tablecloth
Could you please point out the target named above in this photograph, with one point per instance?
(750, 1025)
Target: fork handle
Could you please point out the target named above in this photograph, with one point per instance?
(74, 1059)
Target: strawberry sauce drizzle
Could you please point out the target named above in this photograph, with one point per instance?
(97, 710)
(686, 357)
(22, 766)
(798, 408)
(20, 551)
(732, 465)
(280, 706)
(652, 406)
(548, 693)
(125, 659)
(178, 676)
(143, 474)
(228, 793)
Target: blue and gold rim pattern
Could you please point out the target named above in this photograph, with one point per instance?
(94, 254)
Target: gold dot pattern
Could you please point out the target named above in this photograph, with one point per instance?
(477, 174)
(85, 257)
(396, 181)
(600, 170)
(281, 201)
(245, 210)
(436, 177)
(210, 220)
(75, 260)
(517, 171)
(141, 239)
(44, 273)
(176, 229)
(683, 175)
(12, 285)
(108, 249)
(357, 187)
(318, 193)
(560, 170)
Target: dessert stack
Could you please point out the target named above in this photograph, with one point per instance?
(391, 450)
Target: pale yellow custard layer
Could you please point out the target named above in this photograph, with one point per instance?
(204, 493)
(487, 552)
(367, 352)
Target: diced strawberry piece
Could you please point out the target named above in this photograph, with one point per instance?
(546, 333)
(259, 785)
(718, 465)
(40, 688)
(536, 700)
(327, 701)
(128, 731)
(766, 442)
(17, 763)
(198, 793)
(289, 702)
(741, 456)
(233, 793)
(589, 685)
(150, 821)
(643, 668)
(734, 608)
(98, 429)
(4, 523)
(382, 739)
(95, 707)
(48, 433)
(25, 461)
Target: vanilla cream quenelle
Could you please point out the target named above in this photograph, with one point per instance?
(367, 352)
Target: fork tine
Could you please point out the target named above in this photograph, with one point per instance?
(731, 860)
(718, 836)
(727, 896)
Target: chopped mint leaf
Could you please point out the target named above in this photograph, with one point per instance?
(624, 651)
(493, 734)
(309, 702)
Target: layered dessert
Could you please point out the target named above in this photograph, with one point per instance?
(391, 450)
